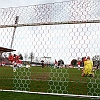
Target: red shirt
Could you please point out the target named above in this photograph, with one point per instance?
(19, 61)
(78, 62)
(16, 58)
(11, 58)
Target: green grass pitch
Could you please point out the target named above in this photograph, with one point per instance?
(48, 79)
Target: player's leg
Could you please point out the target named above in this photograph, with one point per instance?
(78, 67)
(55, 66)
(14, 68)
(84, 72)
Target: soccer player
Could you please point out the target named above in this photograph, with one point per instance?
(15, 61)
(78, 63)
(56, 64)
(88, 70)
(10, 58)
(19, 63)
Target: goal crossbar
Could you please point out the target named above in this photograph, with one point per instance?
(51, 23)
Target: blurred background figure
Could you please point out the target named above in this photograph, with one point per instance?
(56, 64)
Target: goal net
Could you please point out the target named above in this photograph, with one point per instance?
(50, 42)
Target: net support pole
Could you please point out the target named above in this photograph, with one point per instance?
(16, 22)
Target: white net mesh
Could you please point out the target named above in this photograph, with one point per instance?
(65, 32)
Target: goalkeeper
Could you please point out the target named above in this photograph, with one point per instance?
(88, 70)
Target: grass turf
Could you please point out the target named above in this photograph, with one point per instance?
(48, 79)
(25, 96)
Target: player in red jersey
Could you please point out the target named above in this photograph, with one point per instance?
(56, 64)
(15, 60)
(78, 63)
(10, 58)
(19, 63)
